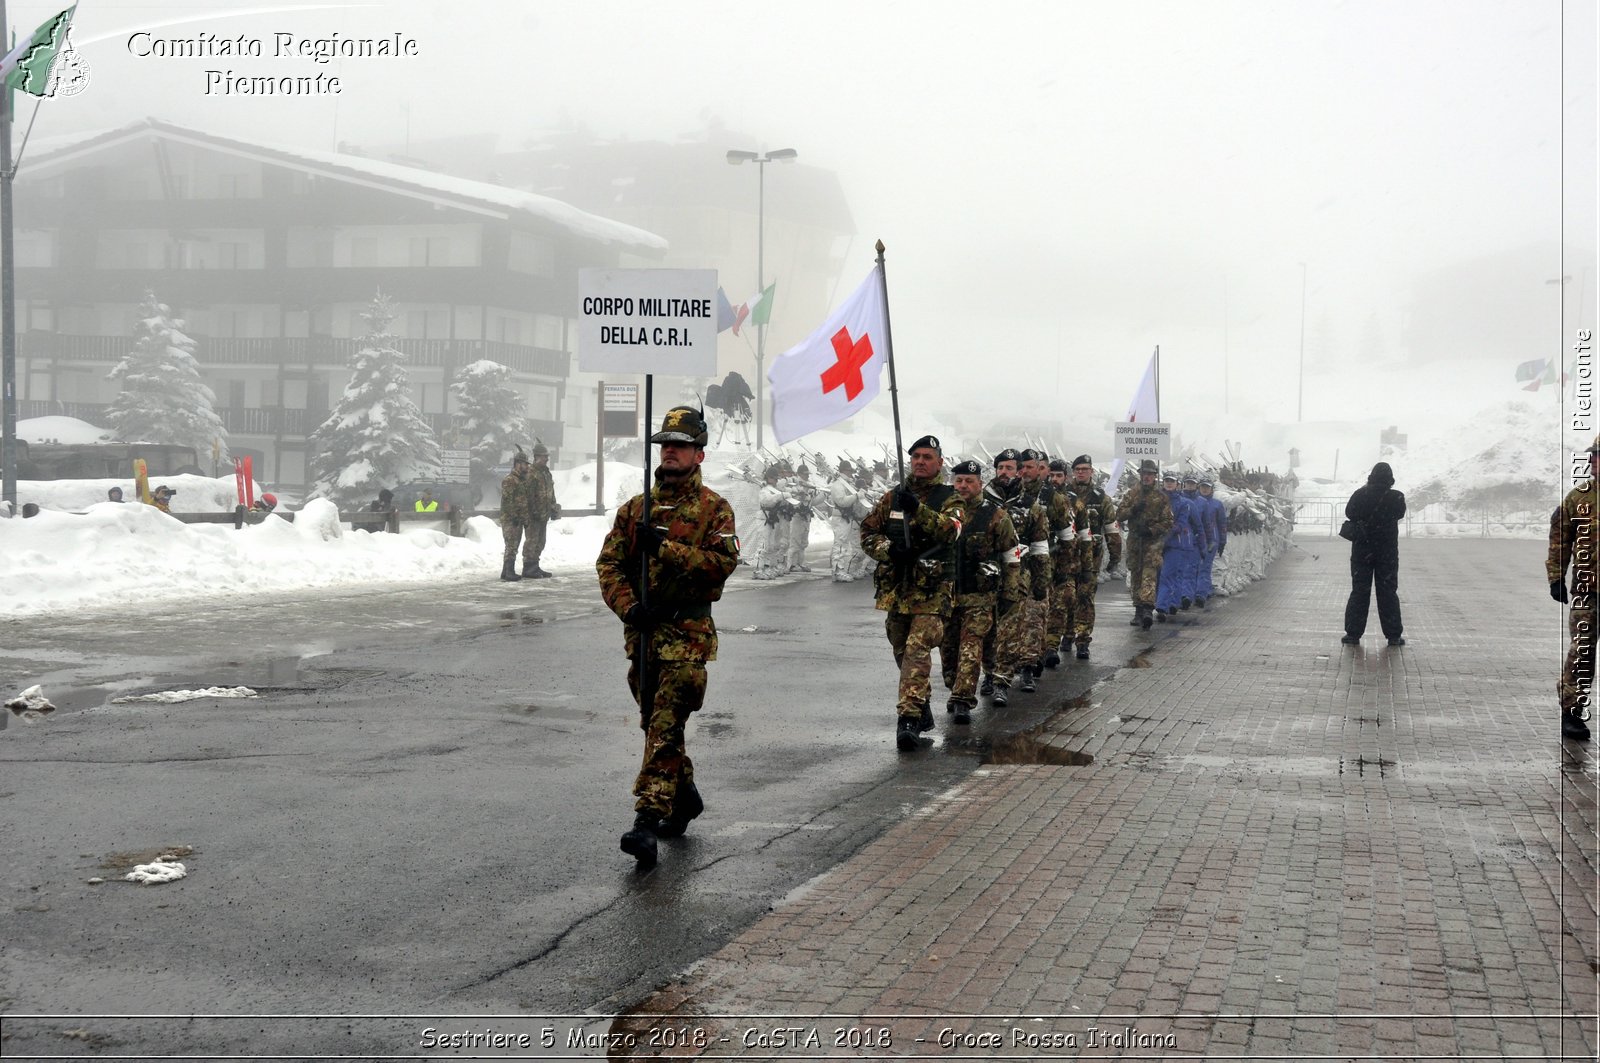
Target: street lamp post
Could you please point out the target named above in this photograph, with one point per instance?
(734, 159)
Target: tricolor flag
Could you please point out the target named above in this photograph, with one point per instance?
(1531, 370)
(27, 66)
(758, 308)
(725, 314)
(1145, 407)
(835, 371)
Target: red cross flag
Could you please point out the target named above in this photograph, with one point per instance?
(835, 371)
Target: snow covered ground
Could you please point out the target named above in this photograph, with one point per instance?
(82, 551)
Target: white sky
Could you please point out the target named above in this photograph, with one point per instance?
(1062, 185)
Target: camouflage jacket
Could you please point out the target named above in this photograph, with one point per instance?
(542, 494)
(1573, 527)
(514, 492)
(699, 555)
(1033, 530)
(918, 581)
(988, 564)
(1147, 513)
(1080, 552)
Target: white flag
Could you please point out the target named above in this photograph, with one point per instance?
(1142, 409)
(835, 371)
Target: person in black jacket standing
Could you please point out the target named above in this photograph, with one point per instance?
(1375, 510)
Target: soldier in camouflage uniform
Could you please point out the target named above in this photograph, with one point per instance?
(1037, 488)
(692, 549)
(910, 533)
(987, 567)
(514, 516)
(1102, 514)
(1147, 514)
(1573, 529)
(542, 508)
(1013, 633)
(1070, 554)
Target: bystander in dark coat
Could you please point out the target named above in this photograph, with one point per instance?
(1375, 510)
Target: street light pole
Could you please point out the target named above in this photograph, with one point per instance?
(1300, 409)
(8, 305)
(734, 159)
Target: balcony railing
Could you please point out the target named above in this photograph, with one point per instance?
(275, 421)
(301, 351)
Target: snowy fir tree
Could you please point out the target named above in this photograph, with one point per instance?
(376, 437)
(490, 417)
(163, 399)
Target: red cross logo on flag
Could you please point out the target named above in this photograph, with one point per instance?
(836, 370)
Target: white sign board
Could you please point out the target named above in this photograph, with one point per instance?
(648, 321)
(1136, 440)
(455, 466)
(622, 398)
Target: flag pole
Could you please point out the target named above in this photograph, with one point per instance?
(1158, 382)
(888, 342)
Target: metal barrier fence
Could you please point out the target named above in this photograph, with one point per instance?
(1314, 514)
(366, 519)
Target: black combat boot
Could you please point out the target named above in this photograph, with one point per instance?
(1161, 615)
(1201, 602)
(963, 714)
(508, 572)
(1574, 728)
(640, 842)
(1145, 620)
(685, 807)
(906, 732)
(986, 688)
(926, 723)
(998, 698)
(1083, 651)
(533, 571)
(1186, 603)
(1138, 616)
(1027, 685)
(1052, 659)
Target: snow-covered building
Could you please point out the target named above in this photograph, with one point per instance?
(270, 254)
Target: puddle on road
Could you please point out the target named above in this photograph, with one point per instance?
(510, 617)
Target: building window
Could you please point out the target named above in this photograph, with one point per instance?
(294, 394)
(527, 253)
(234, 186)
(430, 251)
(364, 251)
(35, 248)
(233, 256)
(508, 329)
(427, 324)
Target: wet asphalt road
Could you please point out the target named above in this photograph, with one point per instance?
(420, 813)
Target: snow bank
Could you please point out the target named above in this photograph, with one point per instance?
(58, 429)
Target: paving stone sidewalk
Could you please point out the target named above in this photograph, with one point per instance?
(1255, 842)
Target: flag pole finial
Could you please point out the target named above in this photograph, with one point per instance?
(879, 247)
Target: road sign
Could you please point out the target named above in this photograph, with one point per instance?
(455, 466)
(621, 412)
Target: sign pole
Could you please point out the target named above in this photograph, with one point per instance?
(600, 449)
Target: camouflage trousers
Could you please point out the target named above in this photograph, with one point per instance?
(961, 652)
(1058, 624)
(1576, 686)
(680, 690)
(1144, 571)
(532, 546)
(1011, 639)
(913, 637)
(1083, 608)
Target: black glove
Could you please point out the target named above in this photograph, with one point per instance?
(650, 539)
(1558, 590)
(899, 550)
(1041, 593)
(906, 502)
(638, 615)
(1006, 605)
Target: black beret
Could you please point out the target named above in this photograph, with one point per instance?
(1082, 459)
(1028, 455)
(967, 468)
(1007, 454)
(926, 442)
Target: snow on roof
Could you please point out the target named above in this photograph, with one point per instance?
(57, 429)
(392, 176)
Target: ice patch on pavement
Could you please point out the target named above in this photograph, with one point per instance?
(169, 697)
